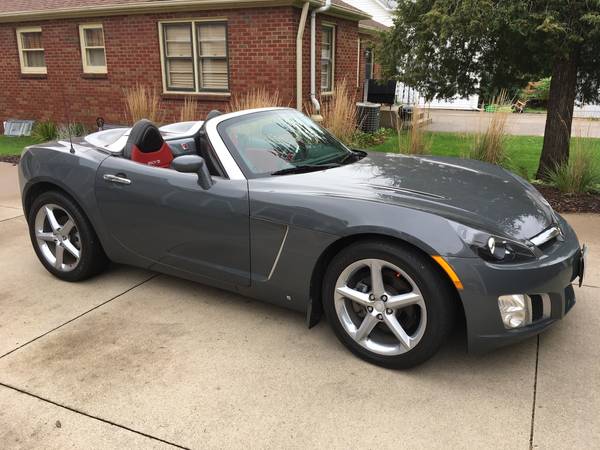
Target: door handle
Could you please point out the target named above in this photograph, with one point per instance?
(116, 179)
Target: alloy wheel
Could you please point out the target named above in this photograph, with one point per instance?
(380, 306)
(57, 237)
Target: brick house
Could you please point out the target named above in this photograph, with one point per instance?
(82, 54)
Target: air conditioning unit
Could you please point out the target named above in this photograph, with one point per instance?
(368, 116)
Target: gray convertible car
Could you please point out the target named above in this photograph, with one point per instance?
(393, 249)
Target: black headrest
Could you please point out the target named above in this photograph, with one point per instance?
(145, 136)
(213, 113)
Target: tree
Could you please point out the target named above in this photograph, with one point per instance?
(449, 47)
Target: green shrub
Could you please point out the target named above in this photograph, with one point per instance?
(580, 174)
(537, 92)
(45, 131)
(360, 139)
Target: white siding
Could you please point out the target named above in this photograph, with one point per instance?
(407, 95)
(587, 111)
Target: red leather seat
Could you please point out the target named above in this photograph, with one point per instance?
(146, 145)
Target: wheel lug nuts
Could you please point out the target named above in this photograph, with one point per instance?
(370, 308)
(371, 297)
(379, 316)
(384, 298)
(389, 311)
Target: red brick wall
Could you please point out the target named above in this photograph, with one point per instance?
(262, 52)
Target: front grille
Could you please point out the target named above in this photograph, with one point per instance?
(537, 307)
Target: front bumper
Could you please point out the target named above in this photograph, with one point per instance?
(548, 278)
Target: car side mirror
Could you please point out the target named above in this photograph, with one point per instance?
(193, 164)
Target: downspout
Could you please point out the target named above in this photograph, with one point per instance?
(299, 37)
(313, 89)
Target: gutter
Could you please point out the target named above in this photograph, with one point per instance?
(299, 37)
(313, 96)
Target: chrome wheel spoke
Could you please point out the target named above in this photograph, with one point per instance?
(60, 253)
(404, 300)
(354, 295)
(44, 236)
(68, 245)
(396, 328)
(52, 219)
(67, 227)
(366, 327)
(376, 278)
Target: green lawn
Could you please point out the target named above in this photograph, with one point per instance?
(14, 145)
(523, 151)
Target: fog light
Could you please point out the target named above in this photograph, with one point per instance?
(515, 310)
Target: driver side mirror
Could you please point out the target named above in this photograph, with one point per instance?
(193, 164)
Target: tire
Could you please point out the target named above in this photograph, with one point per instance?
(422, 303)
(71, 231)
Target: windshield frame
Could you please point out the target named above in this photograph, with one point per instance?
(248, 173)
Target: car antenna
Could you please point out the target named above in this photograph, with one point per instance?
(71, 148)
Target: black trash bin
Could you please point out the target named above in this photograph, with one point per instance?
(405, 112)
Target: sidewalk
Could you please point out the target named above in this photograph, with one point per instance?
(518, 124)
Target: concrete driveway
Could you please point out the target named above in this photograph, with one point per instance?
(517, 124)
(135, 359)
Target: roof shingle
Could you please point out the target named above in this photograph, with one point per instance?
(20, 6)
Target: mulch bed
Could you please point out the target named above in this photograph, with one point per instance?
(10, 159)
(562, 203)
(570, 203)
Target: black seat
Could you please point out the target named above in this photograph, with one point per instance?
(147, 146)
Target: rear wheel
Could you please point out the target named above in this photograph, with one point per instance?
(63, 238)
(388, 304)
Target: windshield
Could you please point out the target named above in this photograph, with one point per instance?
(280, 141)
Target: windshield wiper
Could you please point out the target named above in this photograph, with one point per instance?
(305, 168)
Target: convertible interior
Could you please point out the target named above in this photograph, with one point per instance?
(147, 144)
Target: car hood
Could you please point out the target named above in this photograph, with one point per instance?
(474, 193)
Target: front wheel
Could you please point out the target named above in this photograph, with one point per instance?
(388, 304)
(63, 238)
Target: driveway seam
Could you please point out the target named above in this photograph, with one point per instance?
(11, 218)
(535, 378)
(80, 315)
(90, 416)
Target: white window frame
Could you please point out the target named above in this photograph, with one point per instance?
(25, 69)
(163, 59)
(87, 68)
(333, 33)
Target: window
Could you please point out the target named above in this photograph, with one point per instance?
(194, 56)
(327, 58)
(31, 50)
(93, 53)
(368, 63)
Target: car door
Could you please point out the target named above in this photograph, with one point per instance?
(167, 217)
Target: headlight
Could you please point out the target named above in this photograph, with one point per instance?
(494, 248)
